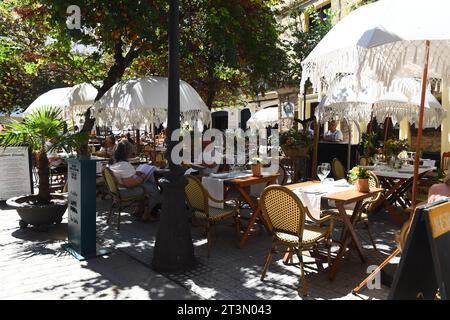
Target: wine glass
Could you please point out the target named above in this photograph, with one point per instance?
(326, 168)
(323, 170)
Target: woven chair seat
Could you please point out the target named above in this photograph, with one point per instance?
(311, 234)
(217, 214)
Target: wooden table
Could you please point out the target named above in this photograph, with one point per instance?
(396, 185)
(240, 184)
(341, 199)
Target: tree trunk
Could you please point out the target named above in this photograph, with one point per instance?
(115, 73)
(44, 177)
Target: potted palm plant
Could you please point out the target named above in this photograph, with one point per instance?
(35, 131)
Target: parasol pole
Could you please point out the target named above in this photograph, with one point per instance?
(349, 146)
(419, 130)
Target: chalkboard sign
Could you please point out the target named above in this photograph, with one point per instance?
(15, 172)
(424, 269)
(82, 209)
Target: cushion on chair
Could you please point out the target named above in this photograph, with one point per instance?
(311, 234)
(216, 214)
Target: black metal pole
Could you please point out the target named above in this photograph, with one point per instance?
(174, 251)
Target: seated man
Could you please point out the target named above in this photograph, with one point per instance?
(333, 135)
(439, 191)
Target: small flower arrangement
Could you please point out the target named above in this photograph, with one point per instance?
(394, 147)
(259, 160)
(360, 178)
(358, 173)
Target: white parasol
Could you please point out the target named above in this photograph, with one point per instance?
(54, 98)
(145, 101)
(70, 100)
(345, 101)
(263, 118)
(385, 40)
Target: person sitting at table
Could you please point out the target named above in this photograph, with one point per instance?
(107, 150)
(333, 135)
(439, 191)
(135, 182)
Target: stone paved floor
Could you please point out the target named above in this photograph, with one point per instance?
(34, 266)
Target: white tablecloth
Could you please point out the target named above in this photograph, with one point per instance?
(403, 173)
(214, 184)
(311, 196)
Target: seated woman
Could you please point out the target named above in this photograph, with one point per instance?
(128, 177)
(440, 190)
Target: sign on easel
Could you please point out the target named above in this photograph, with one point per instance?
(82, 210)
(424, 269)
(15, 169)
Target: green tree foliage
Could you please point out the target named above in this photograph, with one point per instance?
(303, 40)
(24, 71)
(360, 3)
(228, 47)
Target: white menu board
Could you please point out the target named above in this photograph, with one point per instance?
(15, 169)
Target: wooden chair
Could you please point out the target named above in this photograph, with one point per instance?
(286, 216)
(198, 197)
(338, 169)
(118, 200)
(445, 161)
(366, 208)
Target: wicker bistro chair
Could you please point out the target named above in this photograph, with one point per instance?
(366, 208)
(198, 197)
(118, 201)
(286, 216)
(337, 169)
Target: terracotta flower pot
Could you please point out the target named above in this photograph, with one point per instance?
(256, 169)
(362, 185)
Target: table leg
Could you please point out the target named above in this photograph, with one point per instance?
(255, 215)
(349, 235)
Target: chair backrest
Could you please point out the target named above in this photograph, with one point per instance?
(337, 169)
(283, 210)
(373, 183)
(196, 195)
(110, 181)
(363, 161)
(445, 162)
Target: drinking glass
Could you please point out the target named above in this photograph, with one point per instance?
(326, 168)
(323, 170)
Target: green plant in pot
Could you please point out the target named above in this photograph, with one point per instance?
(360, 178)
(295, 143)
(36, 131)
(256, 164)
(368, 146)
(392, 148)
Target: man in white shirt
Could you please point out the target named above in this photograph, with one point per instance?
(333, 134)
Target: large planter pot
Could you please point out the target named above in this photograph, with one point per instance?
(295, 152)
(38, 215)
